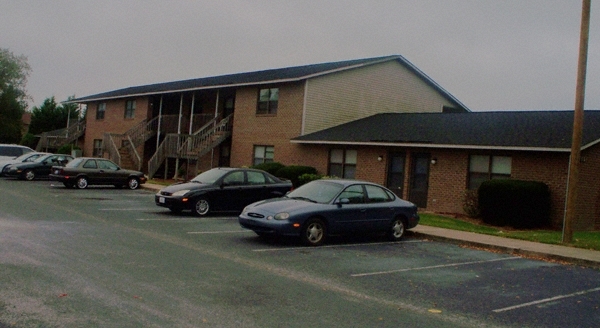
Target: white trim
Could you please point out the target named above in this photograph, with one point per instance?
(304, 107)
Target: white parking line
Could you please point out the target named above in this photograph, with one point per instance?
(546, 300)
(216, 232)
(433, 267)
(174, 219)
(332, 246)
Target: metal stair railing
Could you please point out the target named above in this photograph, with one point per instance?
(58, 138)
(110, 147)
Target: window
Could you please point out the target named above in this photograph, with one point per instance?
(267, 101)
(484, 167)
(256, 178)
(354, 194)
(97, 152)
(263, 154)
(90, 164)
(100, 111)
(107, 165)
(234, 179)
(342, 163)
(130, 109)
(376, 194)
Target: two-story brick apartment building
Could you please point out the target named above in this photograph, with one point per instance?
(377, 119)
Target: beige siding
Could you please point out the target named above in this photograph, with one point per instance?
(383, 88)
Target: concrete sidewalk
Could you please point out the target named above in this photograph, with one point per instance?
(577, 256)
(567, 254)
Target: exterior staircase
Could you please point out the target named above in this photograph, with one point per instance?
(190, 146)
(53, 140)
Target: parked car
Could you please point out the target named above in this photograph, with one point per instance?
(327, 207)
(11, 151)
(222, 190)
(29, 157)
(85, 171)
(39, 168)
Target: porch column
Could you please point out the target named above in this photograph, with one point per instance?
(178, 136)
(159, 121)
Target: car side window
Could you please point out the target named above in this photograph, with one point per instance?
(90, 164)
(256, 178)
(354, 193)
(376, 194)
(106, 165)
(234, 179)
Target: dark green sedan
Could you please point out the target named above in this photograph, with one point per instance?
(40, 168)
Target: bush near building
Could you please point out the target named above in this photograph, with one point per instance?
(515, 203)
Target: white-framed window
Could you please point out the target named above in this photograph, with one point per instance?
(487, 167)
(268, 100)
(130, 109)
(263, 154)
(100, 111)
(342, 163)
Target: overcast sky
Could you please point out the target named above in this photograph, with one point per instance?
(490, 54)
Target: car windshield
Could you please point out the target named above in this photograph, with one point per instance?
(42, 158)
(317, 191)
(210, 176)
(24, 157)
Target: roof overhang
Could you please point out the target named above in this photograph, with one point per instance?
(439, 146)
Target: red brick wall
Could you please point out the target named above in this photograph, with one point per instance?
(114, 120)
(250, 129)
(588, 202)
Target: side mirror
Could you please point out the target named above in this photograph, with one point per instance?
(342, 201)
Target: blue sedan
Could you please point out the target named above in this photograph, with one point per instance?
(328, 207)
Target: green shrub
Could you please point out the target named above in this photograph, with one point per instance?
(66, 149)
(308, 177)
(293, 173)
(271, 167)
(471, 203)
(515, 203)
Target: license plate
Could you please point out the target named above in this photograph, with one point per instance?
(161, 200)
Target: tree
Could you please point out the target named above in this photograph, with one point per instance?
(51, 116)
(14, 71)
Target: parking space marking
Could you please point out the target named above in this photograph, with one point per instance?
(546, 300)
(433, 267)
(174, 219)
(333, 246)
(216, 232)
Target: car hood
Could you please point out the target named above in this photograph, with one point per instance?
(186, 186)
(277, 205)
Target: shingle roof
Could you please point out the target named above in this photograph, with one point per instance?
(278, 75)
(517, 130)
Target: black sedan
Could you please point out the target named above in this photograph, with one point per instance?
(29, 157)
(222, 190)
(327, 207)
(85, 171)
(39, 168)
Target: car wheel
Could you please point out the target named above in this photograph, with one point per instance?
(201, 207)
(314, 232)
(397, 229)
(82, 182)
(133, 183)
(29, 175)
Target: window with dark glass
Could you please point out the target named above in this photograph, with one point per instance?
(486, 167)
(130, 109)
(342, 163)
(263, 154)
(100, 111)
(267, 101)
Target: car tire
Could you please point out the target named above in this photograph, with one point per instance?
(397, 229)
(201, 207)
(82, 183)
(133, 183)
(314, 232)
(29, 175)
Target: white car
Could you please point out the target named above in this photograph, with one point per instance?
(29, 157)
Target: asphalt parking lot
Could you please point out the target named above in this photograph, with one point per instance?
(214, 273)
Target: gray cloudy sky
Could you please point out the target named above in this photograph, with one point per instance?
(490, 54)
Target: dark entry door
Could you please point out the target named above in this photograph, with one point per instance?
(419, 179)
(395, 180)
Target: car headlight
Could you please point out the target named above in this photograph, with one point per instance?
(281, 216)
(181, 192)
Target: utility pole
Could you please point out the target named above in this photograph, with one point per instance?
(574, 160)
